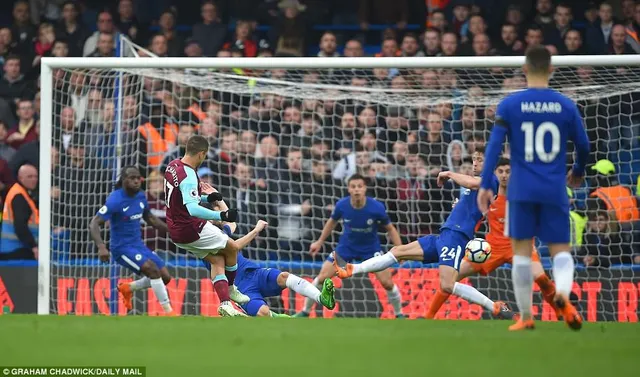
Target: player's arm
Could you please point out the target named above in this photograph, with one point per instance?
(191, 200)
(579, 137)
(154, 221)
(494, 147)
(393, 234)
(95, 230)
(463, 180)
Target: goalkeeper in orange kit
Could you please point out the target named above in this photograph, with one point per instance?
(501, 250)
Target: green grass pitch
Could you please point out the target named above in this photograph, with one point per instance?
(199, 346)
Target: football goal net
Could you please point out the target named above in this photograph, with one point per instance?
(285, 135)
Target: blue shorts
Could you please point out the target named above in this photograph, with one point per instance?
(258, 284)
(549, 222)
(134, 256)
(350, 257)
(447, 248)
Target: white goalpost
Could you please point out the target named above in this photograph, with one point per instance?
(397, 120)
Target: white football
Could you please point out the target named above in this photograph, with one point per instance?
(478, 250)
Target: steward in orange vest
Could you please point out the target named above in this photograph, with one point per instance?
(20, 220)
(157, 137)
(613, 196)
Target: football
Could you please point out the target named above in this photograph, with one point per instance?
(478, 250)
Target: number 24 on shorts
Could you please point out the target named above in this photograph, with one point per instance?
(450, 253)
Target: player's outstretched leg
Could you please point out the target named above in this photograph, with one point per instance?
(326, 297)
(326, 272)
(156, 279)
(412, 251)
(221, 286)
(466, 270)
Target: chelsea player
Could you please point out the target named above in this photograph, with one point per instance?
(539, 122)
(361, 217)
(124, 209)
(447, 248)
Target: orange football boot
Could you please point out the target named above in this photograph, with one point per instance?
(127, 295)
(501, 310)
(520, 325)
(569, 312)
(342, 273)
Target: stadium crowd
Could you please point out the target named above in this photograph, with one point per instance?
(285, 158)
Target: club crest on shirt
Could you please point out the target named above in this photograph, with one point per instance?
(103, 210)
(141, 205)
(369, 221)
(194, 193)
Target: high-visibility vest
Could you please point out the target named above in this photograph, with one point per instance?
(620, 200)
(197, 112)
(9, 241)
(157, 144)
(578, 224)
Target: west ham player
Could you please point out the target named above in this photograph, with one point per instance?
(190, 229)
(361, 217)
(124, 209)
(539, 122)
(447, 249)
(501, 251)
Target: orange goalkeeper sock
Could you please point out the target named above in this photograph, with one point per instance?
(548, 289)
(436, 303)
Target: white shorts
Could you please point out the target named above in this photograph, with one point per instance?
(211, 241)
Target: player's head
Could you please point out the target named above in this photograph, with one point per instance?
(503, 171)
(197, 148)
(130, 179)
(357, 186)
(478, 159)
(537, 62)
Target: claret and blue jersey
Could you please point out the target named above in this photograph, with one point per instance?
(538, 122)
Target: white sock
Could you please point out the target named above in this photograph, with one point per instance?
(299, 285)
(140, 284)
(523, 284)
(308, 303)
(161, 294)
(375, 264)
(471, 294)
(393, 295)
(563, 267)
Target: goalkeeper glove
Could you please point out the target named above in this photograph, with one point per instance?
(214, 197)
(230, 216)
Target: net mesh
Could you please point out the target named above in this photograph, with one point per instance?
(283, 144)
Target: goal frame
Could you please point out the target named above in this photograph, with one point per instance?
(48, 64)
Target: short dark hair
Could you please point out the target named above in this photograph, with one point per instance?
(13, 57)
(503, 161)
(356, 177)
(123, 175)
(480, 149)
(538, 59)
(197, 144)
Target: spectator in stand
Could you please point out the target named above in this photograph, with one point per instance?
(44, 42)
(509, 44)
(449, 44)
(533, 36)
(159, 45)
(289, 33)
(431, 42)
(6, 151)
(573, 43)
(633, 30)
(599, 33)
(628, 11)
(481, 45)
(25, 131)
(210, 34)
(105, 47)
(437, 20)
(431, 144)
(397, 126)
(345, 136)
(127, 23)
(247, 144)
(544, 14)
(192, 49)
(383, 12)
(325, 189)
(267, 158)
(105, 25)
(22, 30)
(64, 133)
(167, 24)
(461, 13)
(20, 218)
(554, 33)
(609, 195)
(13, 85)
(410, 46)
(242, 40)
(476, 25)
(328, 45)
(618, 44)
(514, 17)
(389, 48)
(71, 29)
(603, 244)
(28, 153)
